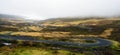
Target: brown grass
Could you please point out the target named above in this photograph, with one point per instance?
(35, 28)
(107, 32)
(42, 34)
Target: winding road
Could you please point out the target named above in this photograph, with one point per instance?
(100, 41)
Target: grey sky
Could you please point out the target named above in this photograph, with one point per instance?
(60, 8)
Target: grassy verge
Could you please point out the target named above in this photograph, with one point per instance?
(20, 50)
(115, 45)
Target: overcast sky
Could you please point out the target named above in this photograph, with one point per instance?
(60, 8)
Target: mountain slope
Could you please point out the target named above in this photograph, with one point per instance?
(78, 21)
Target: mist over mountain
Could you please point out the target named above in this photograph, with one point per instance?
(11, 16)
(8, 18)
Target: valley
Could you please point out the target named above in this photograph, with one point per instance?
(66, 36)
